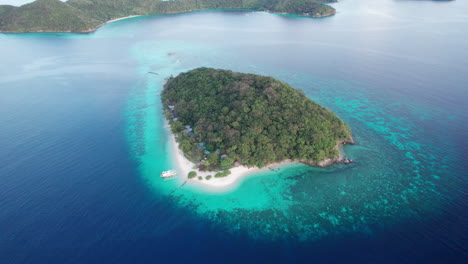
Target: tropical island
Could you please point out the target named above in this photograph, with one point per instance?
(85, 16)
(223, 120)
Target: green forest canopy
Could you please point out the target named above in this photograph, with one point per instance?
(87, 15)
(221, 118)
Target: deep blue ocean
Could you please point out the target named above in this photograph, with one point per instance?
(83, 140)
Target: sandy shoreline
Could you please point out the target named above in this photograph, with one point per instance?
(120, 18)
(69, 31)
(184, 166)
(107, 22)
(90, 30)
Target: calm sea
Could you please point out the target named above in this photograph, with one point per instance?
(83, 140)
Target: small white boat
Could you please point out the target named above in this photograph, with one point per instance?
(167, 175)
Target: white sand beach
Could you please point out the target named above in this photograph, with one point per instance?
(120, 18)
(184, 166)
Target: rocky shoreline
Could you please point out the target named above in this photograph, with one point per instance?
(322, 164)
(330, 161)
(317, 15)
(184, 166)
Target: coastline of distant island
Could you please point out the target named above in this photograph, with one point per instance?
(80, 16)
(226, 125)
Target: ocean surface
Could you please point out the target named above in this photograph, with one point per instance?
(83, 140)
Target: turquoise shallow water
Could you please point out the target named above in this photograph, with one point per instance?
(297, 202)
(83, 140)
(398, 174)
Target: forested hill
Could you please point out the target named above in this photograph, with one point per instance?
(221, 118)
(87, 15)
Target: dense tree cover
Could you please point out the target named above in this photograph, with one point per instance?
(222, 118)
(303, 7)
(86, 15)
(45, 15)
(192, 174)
(223, 174)
(5, 9)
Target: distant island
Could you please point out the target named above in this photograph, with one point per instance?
(87, 15)
(223, 119)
